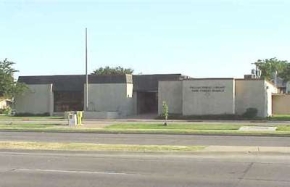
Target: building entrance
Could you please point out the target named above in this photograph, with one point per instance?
(68, 101)
(147, 102)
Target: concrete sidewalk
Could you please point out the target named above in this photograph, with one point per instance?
(245, 150)
(93, 123)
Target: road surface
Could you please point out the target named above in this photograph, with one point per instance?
(53, 169)
(147, 139)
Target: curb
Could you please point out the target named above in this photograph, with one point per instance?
(157, 133)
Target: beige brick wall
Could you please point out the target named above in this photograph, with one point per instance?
(38, 99)
(111, 98)
(281, 104)
(171, 93)
(254, 93)
(208, 96)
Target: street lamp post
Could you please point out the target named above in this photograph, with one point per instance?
(87, 77)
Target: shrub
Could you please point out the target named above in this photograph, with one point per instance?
(6, 111)
(250, 113)
(31, 115)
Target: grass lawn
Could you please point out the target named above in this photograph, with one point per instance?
(280, 118)
(139, 128)
(96, 147)
(218, 129)
(176, 126)
(185, 127)
(29, 126)
(29, 118)
(283, 128)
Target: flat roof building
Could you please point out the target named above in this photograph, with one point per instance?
(119, 96)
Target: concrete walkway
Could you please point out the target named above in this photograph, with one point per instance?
(246, 150)
(103, 122)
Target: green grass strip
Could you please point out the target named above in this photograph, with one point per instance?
(96, 147)
(280, 118)
(29, 118)
(29, 126)
(210, 129)
(176, 126)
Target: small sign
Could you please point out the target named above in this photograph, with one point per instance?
(207, 89)
(257, 128)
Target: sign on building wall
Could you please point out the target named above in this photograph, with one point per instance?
(206, 89)
(208, 97)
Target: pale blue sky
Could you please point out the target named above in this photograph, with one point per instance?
(200, 38)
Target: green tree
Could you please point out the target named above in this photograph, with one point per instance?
(285, 74)
(272, 65)
(165, 112)
(112, 71)
(9, 88)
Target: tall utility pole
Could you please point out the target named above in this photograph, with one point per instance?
(87, 77)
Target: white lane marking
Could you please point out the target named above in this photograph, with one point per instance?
(73, 171)
(99, 154)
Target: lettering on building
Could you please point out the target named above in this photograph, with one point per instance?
(206, 89)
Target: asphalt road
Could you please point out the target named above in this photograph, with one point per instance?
(147, 139)
(54, 169)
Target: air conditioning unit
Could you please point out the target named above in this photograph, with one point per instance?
(248, 76)
(253, 76)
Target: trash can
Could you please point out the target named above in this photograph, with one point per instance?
(72, 119)
(79, 117)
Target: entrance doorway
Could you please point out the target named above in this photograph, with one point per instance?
(147, 102)
(68, 101)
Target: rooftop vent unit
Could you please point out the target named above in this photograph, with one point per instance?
(249, 76)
